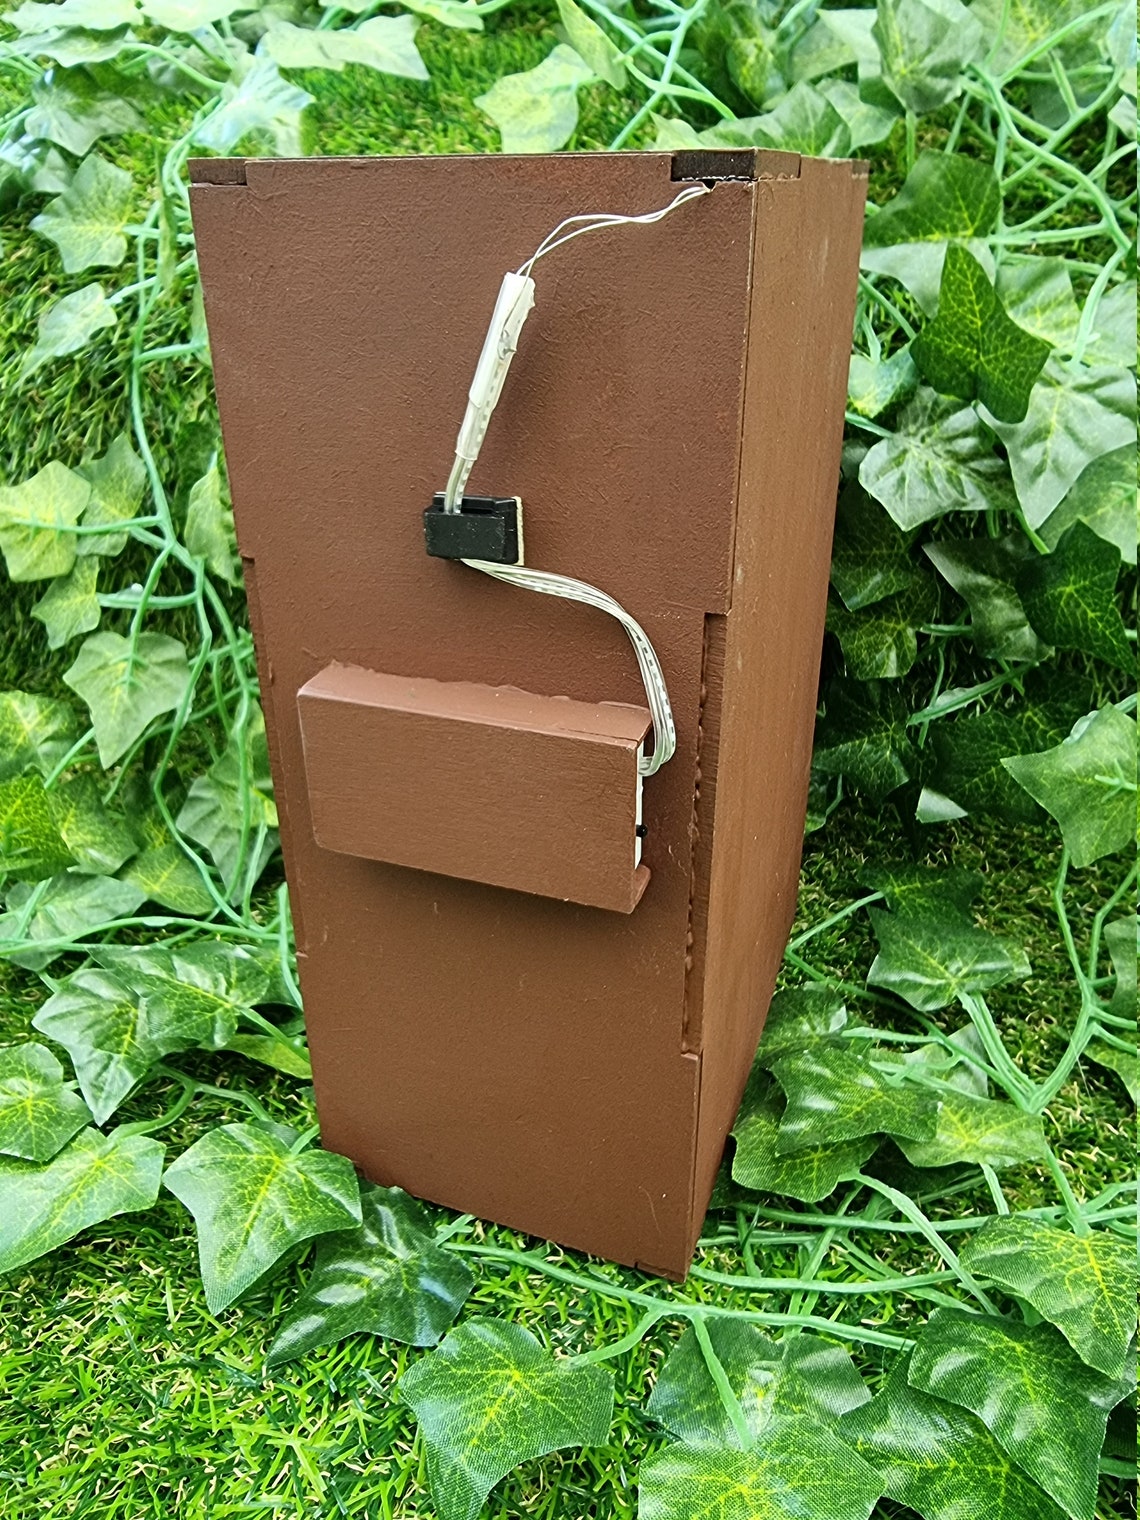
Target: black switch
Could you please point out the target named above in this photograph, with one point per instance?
(485, 527)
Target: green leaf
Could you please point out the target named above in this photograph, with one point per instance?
(277, 1054)
(882, 644)
(866, 122)
(600, 55)
(1038, 295)
(69, 606)
(946, 195)
(1045, 1408)
(958, 1067)
(209, 530)
(939, 1460)
(772, 1380)
(195, 992)
(799, 1016)
(166, 875)
(1113, 340)
(1104, 497)
(870, 559)
(874, 385)
(1088, 784)
(253, 1199)
(925, 44)
(34, 518)
(804, 121)
(92, 15)
(537, 111)
(87, 222)
(455, 13)
(38, 1113)
(35, 165)
(972, 349)
(979, 1130)
(918, 267)
(107, 1031)
(1120, 940)
(190, 15)
(70, 48)
(117, 483)
(490, 1397)
(1076, 413)
(1070, 597)
(260, 101)
(387, 1277)
(863, 736)
(984, 572)
(797, 1471)
(386, 43)
(99, 839)
(71, 110)
(31, 847)
(836, 1094)
(125, 686)
(922, 891)
(1021, 27)
(939, 460)
(812, 1173)
(1084, 1284)
(216, 807)
(1124, 1063)
(68, 908)
(92, 1179)
(68, 325)
(35, 732)
(930, 961)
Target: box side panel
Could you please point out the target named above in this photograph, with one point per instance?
(512, 1056)
(808, 234)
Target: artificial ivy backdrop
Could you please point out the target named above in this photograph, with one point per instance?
(915, 1290)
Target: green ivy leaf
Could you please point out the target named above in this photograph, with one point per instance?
(209, 530)
(1070, 597)
(1021, 28)
(874, 385)
(804, 121)
(71, 110)
(1038, 295)
(600, 55)
(35, 165)
(117, 483)
(939, 460)
(1120, 940)
(1084, 1284)
(809, 1175)
(939, 1460)
(31, 847)
(195, 993)
(979, 1130)
(34, 519)
(1113, 340)
(35, 733)
(126, 686)
(836, 1094)
(87, 222)
(67, 909)
(190, 15)
(106, 1030)
(99, 839)
(882, 644)
(214, 813)
(68, 325)
(537, 111)
(958, 1067)
(972, 349)
(1126, 1065)
(70, 48)
(1103, 497)
(387, 1277)
(984, 572)
(253, 1199)
(386, 43)
(802, 1375)
(260, 101)
(1088, 784)
(278, 1054)
(922, 891)
(92, 15)
(867, 122)
(1076, 413)
(166, 875)
(490, 1397)
(92, 1179)
(797, 1471)
(799, 1016)
(70, 606)
(946, 195)
(863, 736)
(870, 559)
(456, 13)
(39, 1114)
(925, 44)
(1045, 1408)
(931, 961)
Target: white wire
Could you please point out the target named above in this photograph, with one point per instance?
(653, 677)
(598, 219)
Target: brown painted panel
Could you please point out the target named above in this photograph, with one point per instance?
(538, 1062)
(489, 783)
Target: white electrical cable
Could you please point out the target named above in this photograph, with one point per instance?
(515, 301)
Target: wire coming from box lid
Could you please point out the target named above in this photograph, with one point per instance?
(515, 302)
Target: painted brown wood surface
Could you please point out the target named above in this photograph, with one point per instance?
(562, 1069)
(492, 784)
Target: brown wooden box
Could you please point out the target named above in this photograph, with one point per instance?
(672, 423)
